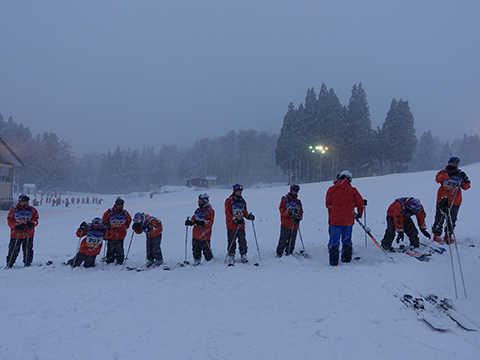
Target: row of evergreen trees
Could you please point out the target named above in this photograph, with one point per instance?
(248, 156)
(322, 136)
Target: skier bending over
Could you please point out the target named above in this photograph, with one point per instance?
(91, 244)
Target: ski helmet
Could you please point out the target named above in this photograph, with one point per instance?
(138, 217)
(237, 187)
(23, 197)
(294, 187)
(454, 159)
(345, 174)
(413, 206)
(96, 222)
(203, 199)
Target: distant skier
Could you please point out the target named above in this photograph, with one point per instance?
(399, 222)
(153, 228)
(22, 219)
(341, 200)
(90, 245)
(202, 221)
(291, 213)
(452, 181)
(235, 213)
(116, 220)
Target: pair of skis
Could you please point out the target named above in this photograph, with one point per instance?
(437, 313)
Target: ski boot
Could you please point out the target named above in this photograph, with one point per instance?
(244, 258)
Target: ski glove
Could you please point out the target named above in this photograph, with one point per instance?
(358, 216)
(296, 220)
(400, 236)
(199, 222)
(251, 217)
(19, 226)
(463, 176)
(188, 222)
(107, 224)
(425, 232)
(136, 226)
(29, 224)
(83, 225)
(238, 221)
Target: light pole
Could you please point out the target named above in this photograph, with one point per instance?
(319, 149)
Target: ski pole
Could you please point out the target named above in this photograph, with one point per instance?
(449, 219)
(186, 242)
(78, 248)
(128, 251)
(367, 230)
(11, 255)
(301, 240)
(256, 242)
(365, 219)
(231, 244)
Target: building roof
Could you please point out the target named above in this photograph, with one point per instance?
(7, 155)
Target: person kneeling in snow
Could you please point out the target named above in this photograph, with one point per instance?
(153, 228)
(91, 244)
(399, 221)
(202, 231)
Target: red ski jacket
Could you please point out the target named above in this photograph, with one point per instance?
(119, 223)
(451, 186)
(156, 226)
(235, 207)
(203, 232)
(397, 211)
(21, 215)
(289, 204)
(341, 200)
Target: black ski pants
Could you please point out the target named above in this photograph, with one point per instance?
(232, 235)
(115, 251)
(199, 246)
(286, 242)
(154, 250)
(440, 217)
(14, 250)
(408, 228)
(80, 257)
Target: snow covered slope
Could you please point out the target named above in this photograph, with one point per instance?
(286, 308)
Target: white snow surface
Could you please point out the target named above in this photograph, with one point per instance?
(286, 308)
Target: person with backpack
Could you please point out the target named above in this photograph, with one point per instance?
(153, 228)
(399, 222)
(341, 200)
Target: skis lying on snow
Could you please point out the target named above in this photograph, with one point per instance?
(301, 253)
(422, 256)
(144, 268)
(47, 263)
(438, 314)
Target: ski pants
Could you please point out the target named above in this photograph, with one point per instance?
(440, 217)
(286, 242)
(14, 250)
(408, 228)
(80, 257)
(337, 234)
(154, 250)
(115, 251)
(239, 234)
(199, 246)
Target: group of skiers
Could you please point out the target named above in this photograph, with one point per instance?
(343, 201)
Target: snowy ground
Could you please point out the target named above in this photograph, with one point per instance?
(286, 308)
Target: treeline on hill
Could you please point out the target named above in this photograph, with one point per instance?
(245, 156)
(248, 156)
(322, 137)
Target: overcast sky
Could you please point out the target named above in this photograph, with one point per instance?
(134, 73)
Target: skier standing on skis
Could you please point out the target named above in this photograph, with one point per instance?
(22, 219)
(452, 181)
(235, 214)
(153, 228)
(91, 244)
(117, 221)
(202, 222)
(291, 213)
(399, 222)
(341, 200)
